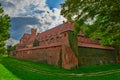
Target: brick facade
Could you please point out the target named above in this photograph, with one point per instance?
(54, 46)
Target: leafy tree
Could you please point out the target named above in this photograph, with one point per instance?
(10, 48)
(4, 29)
(96, 18)
(35, 43)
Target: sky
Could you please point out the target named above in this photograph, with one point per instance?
(27, 14)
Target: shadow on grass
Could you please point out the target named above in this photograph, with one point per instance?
(17, 68)
(26, 74)
(21, 73)
(5, 74)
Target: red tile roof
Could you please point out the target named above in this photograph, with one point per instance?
(56, 30)
(26, 35)
(95, 46)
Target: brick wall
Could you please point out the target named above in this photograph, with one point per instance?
(55, 47)
(46, 55)
(94, 56)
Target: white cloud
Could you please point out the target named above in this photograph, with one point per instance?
(50, 19)
(34, 8)
(11, 42)
(17, 8)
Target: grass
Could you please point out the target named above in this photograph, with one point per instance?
(16, 69)
(5, 74)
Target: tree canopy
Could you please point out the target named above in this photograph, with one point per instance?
(11, 48)
(35, 43)
(96, 18)
(4, 29)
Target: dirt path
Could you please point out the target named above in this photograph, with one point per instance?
(71, 74)
(29, 68)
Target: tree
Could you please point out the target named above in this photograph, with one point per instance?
(96, 18)
(11, 48)
(4, 29)
(35, 43)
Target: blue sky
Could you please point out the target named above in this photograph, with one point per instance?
(54, 3)
(27, 14)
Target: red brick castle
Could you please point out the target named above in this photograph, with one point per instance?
(55, 48)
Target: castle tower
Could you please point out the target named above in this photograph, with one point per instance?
(33, 31)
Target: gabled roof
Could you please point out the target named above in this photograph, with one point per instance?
(57, 30)
(26, 35)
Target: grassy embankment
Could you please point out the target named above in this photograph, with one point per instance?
(15, 69)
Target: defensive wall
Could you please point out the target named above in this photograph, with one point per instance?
(57, 48)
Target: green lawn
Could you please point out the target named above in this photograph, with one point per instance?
(15, 69)
(5, 74)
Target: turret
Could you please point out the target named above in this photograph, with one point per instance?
(33, 31)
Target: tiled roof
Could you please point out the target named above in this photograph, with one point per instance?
(95, 46)
(57, 30)
(26, 35)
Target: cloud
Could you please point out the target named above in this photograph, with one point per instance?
(20, 8)
(19, 26)
(26, 14)
(50, 18)
(11, 42)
